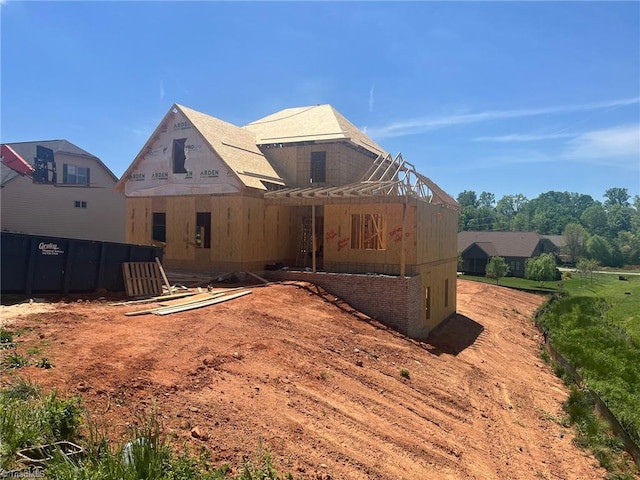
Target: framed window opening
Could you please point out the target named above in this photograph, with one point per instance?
(203, 229)
(368, 231)
(159, 227)
(80, 204)
(179, 157)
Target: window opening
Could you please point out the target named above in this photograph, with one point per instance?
(367, 231)
(179, 156)
(203, 229)
(159, 228)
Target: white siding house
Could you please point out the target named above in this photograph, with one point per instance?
(79, 201)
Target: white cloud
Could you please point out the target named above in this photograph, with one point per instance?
(617, 146)
(523, 137)
(161, 90)
(420, 125)
(371, 98)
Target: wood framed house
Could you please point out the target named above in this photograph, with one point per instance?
(300, 188)
(57, 189)
(515, 247)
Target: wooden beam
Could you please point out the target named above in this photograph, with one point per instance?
(153, 299)
(188, 302)
(164, 275)
(192, 306)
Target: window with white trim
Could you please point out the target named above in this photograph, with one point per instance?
(75, 174)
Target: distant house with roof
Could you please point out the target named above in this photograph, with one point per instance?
(54, 188)
(515, 247)
(301, 188)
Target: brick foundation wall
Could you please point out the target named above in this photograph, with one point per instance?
(394, 301)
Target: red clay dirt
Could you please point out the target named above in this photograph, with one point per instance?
(320, 385)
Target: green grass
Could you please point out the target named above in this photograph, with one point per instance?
(624, 308)
(595, 325)
(519, 283)
(29, 418)
(594, 434)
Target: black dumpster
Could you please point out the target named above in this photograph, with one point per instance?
(37, 264)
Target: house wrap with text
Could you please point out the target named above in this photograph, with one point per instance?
(305, 189)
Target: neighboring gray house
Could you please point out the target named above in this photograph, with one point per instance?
(515, 247)
(70, 193)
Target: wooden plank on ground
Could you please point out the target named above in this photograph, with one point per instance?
(202, 298)
(141, 279)
(153, 299)
(206, 303)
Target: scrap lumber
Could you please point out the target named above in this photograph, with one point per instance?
(258, 277)
(164, 276)
(141, 279)
(205, 303)
(153, 299)
(195, 299)
(181, 301)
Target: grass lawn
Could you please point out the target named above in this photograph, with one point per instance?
(622, 296)
(519, 283)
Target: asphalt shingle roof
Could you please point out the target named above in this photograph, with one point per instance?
(504, 244)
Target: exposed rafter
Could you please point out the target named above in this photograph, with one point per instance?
(387, 176)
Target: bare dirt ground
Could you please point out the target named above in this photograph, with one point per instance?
(320, 385)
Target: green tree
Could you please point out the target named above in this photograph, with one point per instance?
(542, 268)
(508, 207)
(599, 249)
(594, 219)
(468, 198)
(497, 268)
(587, 267)
(520, 222)
(629, 246)
(575, 237)
(616, 196)
(487, 200)
(618, 219)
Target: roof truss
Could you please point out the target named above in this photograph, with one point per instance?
(388, 176)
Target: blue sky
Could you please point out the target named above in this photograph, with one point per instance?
(504, 97)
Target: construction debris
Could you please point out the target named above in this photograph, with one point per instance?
(197, 301)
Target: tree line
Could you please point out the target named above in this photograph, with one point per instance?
(606, 232)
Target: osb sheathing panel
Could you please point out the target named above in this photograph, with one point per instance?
(435, 276)
(337, 235)
(343, 164)
(181, 223)
(437, 229)
(138, 224)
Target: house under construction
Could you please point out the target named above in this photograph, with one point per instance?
(305, 189)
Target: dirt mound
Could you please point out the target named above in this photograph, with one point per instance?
(322, 386)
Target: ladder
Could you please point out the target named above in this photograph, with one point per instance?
(306, 245)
